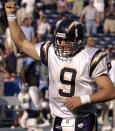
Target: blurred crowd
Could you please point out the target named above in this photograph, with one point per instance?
(38, 20)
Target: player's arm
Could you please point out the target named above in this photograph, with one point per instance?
(100, 65)
(17, 35)
(23, 73)
(107, 91)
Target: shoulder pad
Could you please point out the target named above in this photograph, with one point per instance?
(97, 57)
(44, 52)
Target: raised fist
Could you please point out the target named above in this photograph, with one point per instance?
(10, 7)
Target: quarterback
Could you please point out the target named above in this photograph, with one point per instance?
(74, 73)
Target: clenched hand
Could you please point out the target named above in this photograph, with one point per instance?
(10, 7)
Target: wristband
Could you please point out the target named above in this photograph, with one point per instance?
(11, 17)
(85, 99)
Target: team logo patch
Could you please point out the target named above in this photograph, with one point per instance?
(80, 125)
(58, 127)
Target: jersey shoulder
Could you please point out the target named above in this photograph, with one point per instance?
(91, 51)
(98, 58)
(44, 52)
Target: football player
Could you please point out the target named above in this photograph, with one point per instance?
(74, 72)
(30, 74)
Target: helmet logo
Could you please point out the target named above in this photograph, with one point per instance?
(74, 23)
(76, 32)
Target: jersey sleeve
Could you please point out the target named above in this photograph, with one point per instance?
(100, 64)
(42, 50)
